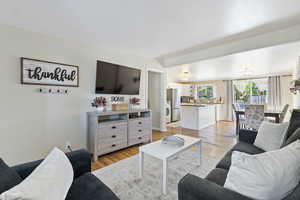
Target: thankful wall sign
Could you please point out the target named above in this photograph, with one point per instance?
(39, 72)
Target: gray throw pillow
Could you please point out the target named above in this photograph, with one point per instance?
(8, 177)
(295, 136)
(272, 175)
(271, 136)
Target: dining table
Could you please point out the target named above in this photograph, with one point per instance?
(267, 113)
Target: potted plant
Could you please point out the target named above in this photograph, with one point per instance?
(99, 103)
(295, 86)
(134, 102)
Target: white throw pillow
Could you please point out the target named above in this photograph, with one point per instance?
(50, 180)
(267, 176)
(271, 136)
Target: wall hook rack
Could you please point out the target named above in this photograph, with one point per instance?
(54, 91)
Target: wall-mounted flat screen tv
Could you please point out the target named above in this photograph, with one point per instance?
(116, 79)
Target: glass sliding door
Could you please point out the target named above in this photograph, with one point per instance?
(250, 91)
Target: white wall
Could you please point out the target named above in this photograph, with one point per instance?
(296, 76)
(32, 123)
(261, 62)
(220, 92)
(154, 98)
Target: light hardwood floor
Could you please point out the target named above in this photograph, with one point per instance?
(218, 139)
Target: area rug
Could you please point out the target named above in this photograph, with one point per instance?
(122, 177)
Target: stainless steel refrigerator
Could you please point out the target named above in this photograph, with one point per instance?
(173, 97)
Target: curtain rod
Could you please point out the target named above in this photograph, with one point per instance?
(249, 78)
(260, 77)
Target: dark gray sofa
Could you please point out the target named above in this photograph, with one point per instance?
(192, 187)
(85, 185)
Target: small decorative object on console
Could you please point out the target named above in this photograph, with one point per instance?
(295, 86)
(173, 140)
(119, 106)
(134, 102)
(99, 102)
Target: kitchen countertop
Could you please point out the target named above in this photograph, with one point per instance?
(193, 104)
(200, 104)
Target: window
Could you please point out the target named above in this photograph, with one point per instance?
(251, 91)
(205, 92)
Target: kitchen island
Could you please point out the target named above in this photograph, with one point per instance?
(197, 116)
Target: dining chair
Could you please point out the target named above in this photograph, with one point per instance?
(241, 122)
(281, 116)
(254, 116)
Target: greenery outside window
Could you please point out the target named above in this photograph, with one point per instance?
(205, 92)
(251, 91)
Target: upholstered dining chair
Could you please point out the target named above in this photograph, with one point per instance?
(282, 114)
(235, 108)
(254, 116)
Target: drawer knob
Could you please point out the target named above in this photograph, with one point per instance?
(113, 136)
(140, 130)
(113, 145)
(140, 138)
(113, 127)
(140, 122)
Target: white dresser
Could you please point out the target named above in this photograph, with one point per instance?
(113, 130)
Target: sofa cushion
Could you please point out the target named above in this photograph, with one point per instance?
(191, 187)
(294, 195)
(225, 162)
(247, 148)
(295, 136)
(217, 176)
(294, 123)
(8, 177)
(241, 147)
(89, 187)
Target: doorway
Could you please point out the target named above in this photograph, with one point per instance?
(156, 99)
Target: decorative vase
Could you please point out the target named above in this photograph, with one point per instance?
(134, 106)
(100, 108)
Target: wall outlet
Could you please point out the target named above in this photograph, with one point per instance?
(68, 145)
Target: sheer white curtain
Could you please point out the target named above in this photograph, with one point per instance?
(274, 93)
(228, 101)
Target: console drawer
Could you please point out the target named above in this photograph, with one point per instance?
(108, 130)
(113, 145)
(137, 132)
(139, 139)
(110, 141)
(112, 134)
(141, 122)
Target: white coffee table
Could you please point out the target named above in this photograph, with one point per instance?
(165, 152)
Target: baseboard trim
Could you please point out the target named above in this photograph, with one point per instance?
(155, 128)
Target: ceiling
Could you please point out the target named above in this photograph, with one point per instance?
(149, 28)
(275, 60)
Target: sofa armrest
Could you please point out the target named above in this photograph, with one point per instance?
(80, 160)
(192, 187)
(247, 136)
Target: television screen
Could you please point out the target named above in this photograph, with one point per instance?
(117, 79)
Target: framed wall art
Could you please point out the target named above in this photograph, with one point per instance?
(40, 72)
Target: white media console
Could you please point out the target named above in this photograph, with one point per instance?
(109, 131)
